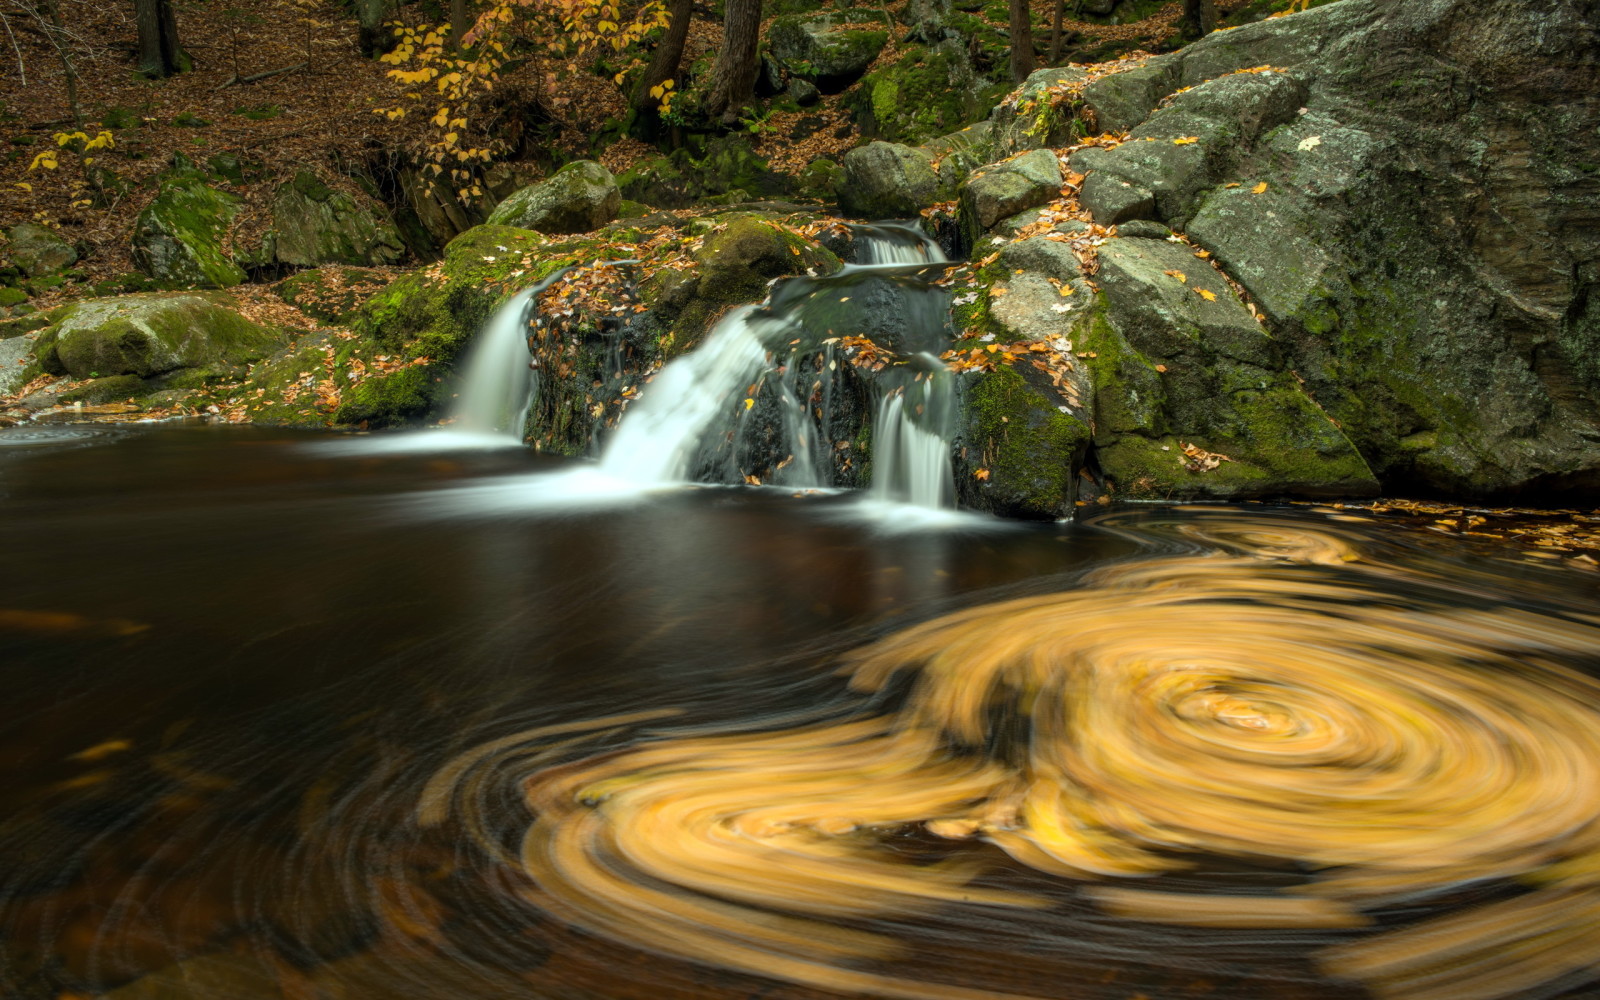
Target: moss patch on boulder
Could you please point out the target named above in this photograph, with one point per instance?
(180, 236)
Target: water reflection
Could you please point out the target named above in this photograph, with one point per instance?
(269, 739)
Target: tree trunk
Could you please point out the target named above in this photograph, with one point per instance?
(373, 38)
(664, 64)
(58, 38)
(1021, 41)
(733, 78)
(1055, 32)
(460, 23)
(1200, 17)
(159, 54)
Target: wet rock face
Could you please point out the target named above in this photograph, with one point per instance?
(1410, 198)
(579, 198)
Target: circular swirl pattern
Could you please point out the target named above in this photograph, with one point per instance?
(1289, 706)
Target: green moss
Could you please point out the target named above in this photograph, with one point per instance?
(386, 399)
(180, 235)
(12, 296)
(106, 390)
(1030, 449)
(925, 93)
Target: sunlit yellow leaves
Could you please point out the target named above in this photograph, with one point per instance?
(1207, 295)
(1259, 188)
(45, 160)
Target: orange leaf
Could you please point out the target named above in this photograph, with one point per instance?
(1259, 188)
(1208, 296)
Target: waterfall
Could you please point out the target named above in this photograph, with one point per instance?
(498, 383)
(662, 432)
(911, 439)
(756, 394)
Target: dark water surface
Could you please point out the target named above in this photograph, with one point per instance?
(237, 665)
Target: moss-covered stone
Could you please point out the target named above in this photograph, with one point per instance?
(106, 390)
(820, 47)
(884, 180)
(926, 92)
(1003, 189)
(313, 224)
(150, 334)
(38, 251)
(1022, 452)
(579, 198)
(180, 236)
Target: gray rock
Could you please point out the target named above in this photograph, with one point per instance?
(16, 354)
(803, 92)
(1112, 200)
(1006, 188)
(150, 334)
(821, 48)
(1426, 245)
(579, 198)
(1143, 229)
(39, 251)
(1183, 363)
(884, 180)
(181, 235)
(1120, 101)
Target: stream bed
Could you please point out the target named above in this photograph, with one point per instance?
(292, 716)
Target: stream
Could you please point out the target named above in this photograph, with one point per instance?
(292, 720)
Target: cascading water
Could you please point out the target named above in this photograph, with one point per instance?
(498, 384)
(911, 439)
(763, 392)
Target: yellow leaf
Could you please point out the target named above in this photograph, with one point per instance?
(23, 185)
(1065, 290)
(1186, 140)
(1208, 296)
(1259, 188)
(748, 402)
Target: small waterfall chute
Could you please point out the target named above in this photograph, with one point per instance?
(498, 381)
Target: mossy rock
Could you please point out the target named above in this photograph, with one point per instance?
(1022, 452)
(884, 180)
(927, 92)
(106, 390)
(38, 251)
(723, 167)
(579, 198)
(150, 334)
(312, 224)
(180, 236)
(820, 47)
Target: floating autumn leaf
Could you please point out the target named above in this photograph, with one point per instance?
(1207, 295)
(1259, 188)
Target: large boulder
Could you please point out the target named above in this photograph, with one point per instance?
(579, 198)
(151, 334)
(1421, 233)
(1001, 190)
(826, 48)
(38, 251)
(312, 224)
(885, 180)
(181, 236)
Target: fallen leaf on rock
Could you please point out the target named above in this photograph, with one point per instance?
(1208, 296)
(1259, 188)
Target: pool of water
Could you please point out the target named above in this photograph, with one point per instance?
(292, 720)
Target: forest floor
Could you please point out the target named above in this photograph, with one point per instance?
(326, 115)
